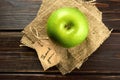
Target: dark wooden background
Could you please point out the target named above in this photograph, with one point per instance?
(21, 63)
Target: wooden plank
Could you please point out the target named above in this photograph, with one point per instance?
(111, 13)
(108, 6)
(22, 59)
(57, 77)
(16, 14)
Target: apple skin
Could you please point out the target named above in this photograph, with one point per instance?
(67, 26)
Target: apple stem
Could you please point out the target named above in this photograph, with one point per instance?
(68, 26)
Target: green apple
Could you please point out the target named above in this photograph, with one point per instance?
(67, 26)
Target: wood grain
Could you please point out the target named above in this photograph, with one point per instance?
(16, 14)
(21, 63)
(57, 77)
(14, 58)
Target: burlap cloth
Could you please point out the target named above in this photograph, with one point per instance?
(49, 53)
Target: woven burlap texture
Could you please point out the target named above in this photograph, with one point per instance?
(70, 58)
